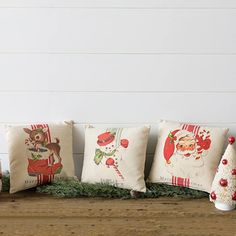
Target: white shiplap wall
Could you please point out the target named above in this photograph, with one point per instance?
(121, 62)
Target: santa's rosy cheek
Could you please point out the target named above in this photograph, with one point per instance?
(180, 147)
(191, 147)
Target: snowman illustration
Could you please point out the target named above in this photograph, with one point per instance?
(110, 149)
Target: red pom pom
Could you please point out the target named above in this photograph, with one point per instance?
(234, 196)
(213, 195)
(223, 182)
(231, 140)
(233, 171)
(224, 162)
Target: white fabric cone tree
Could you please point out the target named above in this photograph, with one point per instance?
(223, 190)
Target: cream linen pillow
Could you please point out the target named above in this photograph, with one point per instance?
(116, 156)
(187, 155)
(39, 153)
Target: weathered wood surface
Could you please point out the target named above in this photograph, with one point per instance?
(33, 214)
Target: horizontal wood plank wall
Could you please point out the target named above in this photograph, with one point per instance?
(118, 72)
(133, 4)
(89, 31)
(121, 63)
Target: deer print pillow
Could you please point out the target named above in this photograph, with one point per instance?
(39, 153)
(187, 155)
(116, 156)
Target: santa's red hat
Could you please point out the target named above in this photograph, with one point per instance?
(105, 138)
(169, 147)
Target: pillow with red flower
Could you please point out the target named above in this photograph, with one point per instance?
(187, 155)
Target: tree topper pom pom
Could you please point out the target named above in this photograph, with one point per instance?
(231, 140)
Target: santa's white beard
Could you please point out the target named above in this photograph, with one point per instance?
(186, 152)
(185, 167)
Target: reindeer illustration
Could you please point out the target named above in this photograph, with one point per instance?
(38, 139)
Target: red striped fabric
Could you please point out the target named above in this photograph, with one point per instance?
(191, 128)
(42, 179)
(178, 181)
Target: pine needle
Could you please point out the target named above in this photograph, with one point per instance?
(72, 188)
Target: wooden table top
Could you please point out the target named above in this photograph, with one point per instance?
(28, 213)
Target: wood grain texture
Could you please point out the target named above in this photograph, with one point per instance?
(28, 213)
(117, 31)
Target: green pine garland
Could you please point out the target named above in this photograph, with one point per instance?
(72, 188)
(6, 182)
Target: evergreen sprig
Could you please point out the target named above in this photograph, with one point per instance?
(72, 188)
(6, 182)
(164, 190)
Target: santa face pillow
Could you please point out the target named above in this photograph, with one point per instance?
(116, 156)
(39, 153)
(187, 155)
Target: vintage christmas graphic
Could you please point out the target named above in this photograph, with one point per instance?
(184, 152)
(109, 150)
(44, 160)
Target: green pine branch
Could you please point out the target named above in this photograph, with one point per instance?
(72, 188)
